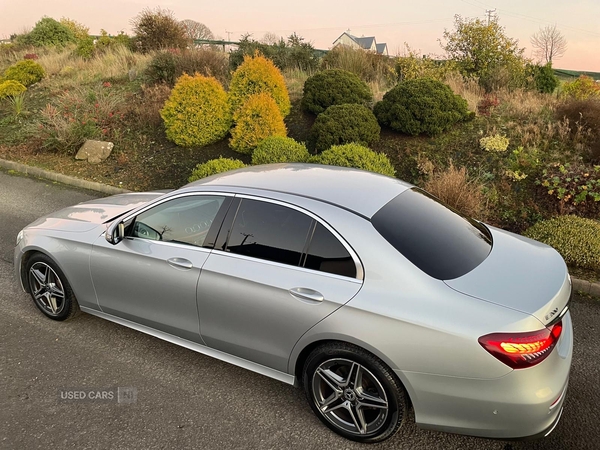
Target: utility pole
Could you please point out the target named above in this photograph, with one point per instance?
(229, 34)
(489, 13)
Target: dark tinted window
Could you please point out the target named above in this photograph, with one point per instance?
(327, 254)
(185, 220)
(436, 239)
(269, 231)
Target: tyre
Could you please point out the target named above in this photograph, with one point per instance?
(50, 289)
(354, 393)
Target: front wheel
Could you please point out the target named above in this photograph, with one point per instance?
(50, 289)
(354, 393)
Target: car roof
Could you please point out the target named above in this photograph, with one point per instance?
(356, 190)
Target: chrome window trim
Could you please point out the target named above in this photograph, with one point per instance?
(168, 244)
(357, 262)
(286, 266)
(174, 197)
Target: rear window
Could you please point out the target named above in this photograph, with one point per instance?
(438, 240)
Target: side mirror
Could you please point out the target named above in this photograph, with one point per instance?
(115, 233)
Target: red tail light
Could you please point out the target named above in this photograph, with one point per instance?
(521, 350)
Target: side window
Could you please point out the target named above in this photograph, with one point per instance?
(185, 220)
(327, 254)
(269, 231)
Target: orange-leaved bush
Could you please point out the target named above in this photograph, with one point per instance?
(255, 75)
(257, 119)
(197, 112)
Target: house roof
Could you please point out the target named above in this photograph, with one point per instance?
(365, 42)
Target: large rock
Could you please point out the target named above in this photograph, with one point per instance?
(95, 151)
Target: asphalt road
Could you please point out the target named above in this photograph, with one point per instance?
(184, 399)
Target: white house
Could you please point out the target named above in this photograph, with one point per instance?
(367, 43)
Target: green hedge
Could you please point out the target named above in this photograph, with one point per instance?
(357, 156)
(334, 87)
(214, 166)
(575, 238)
(279, 149)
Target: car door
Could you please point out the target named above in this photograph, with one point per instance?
(274, 273)
(151, 276)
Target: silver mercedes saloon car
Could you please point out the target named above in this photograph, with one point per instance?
(363, 290)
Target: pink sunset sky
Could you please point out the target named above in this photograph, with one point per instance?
(418, 23)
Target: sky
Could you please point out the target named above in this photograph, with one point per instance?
(419, 23)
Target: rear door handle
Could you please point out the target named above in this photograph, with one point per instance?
(307, 294)
(180, 263)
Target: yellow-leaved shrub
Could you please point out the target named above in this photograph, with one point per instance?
(257, 119)
(255, 75)
(196, 113)
(215, 166)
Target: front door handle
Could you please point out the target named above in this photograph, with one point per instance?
(307, 294)
(180, 263)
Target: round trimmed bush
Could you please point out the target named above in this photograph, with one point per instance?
(279, 149)
(421, 106)
(343, 124)
(49, 32)
(357, 156)
(257, 75)
(258, 119)
(196, 112)
(334, 87)
(11, 88)
(25, 72)
(575, 238)
(215, 166)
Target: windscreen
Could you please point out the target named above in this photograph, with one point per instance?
(438, 240)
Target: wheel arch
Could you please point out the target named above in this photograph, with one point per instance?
(300, 354)
(27, 255)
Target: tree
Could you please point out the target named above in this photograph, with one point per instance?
(549, 43)
(197, 30)
(158, 29)
(270, 38)
(483, 50)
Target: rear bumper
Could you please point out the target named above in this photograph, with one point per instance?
(524, 404)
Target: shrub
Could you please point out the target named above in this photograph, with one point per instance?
(343, 124)
(158, 29)
(368, 66)
(196, 112)
(544, 79)
(583, 115)
(293, 54)
(575, 238)
(167, 66)
(279, 149)
(357, 156)
(215, 166)
(85, 48)
(25, 72)
(258, 119)
(79, 30)
(162, 68)
(256, 75)
(582, 88)
(11, 88)
(421, 106)
(48, 32)
(575, 186)
(453, 187)
(334, 87)
(494, 144)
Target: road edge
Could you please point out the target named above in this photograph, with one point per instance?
(60, 178)
(584, 286)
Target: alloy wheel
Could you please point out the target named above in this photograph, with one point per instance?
(349, 396)
(47, 288)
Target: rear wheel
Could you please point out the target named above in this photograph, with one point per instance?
(354, 393)
(50, 289)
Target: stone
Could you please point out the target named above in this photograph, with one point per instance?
(95, 151)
